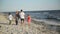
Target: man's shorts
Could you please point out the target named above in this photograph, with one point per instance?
(22, 20)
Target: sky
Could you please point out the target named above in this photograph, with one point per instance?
(29, 5)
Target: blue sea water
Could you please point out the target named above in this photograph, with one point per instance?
(45, 14)
(51, 14)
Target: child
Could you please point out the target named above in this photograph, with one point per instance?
(29, 19)
(10, 18)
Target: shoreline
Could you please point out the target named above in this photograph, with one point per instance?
(39, 26)
(47, 21)
(49, 26)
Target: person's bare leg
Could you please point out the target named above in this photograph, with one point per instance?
(29, 25)
(23, 26)
(21, 22)
(9, 22)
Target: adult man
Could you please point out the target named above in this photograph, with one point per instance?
(22, 16)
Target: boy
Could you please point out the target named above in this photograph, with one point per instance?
(10, 18)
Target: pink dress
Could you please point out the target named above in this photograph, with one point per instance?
(29, 19)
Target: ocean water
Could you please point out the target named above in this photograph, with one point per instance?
(45, 14)
(52, 16)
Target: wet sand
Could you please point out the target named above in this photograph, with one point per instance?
(34, 28)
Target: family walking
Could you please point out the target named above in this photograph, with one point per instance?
(20, 15)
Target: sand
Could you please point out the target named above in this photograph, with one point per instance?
(34, 28)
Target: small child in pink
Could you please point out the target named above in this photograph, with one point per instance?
(29, 20)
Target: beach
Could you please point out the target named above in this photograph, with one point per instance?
(35, 27)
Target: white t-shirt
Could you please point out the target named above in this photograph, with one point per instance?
(22, 15)
(10, 17)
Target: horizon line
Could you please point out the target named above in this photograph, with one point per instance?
(32, 10)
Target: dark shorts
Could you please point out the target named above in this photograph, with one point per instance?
(22, 20)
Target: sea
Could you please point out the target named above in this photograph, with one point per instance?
(49, 14)
(51, 17)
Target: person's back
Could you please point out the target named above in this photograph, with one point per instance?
(17, 14)
(22, 15)
(29, 19)
(10, 18)
(17, 17)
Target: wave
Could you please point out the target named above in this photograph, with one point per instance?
(46, 21)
